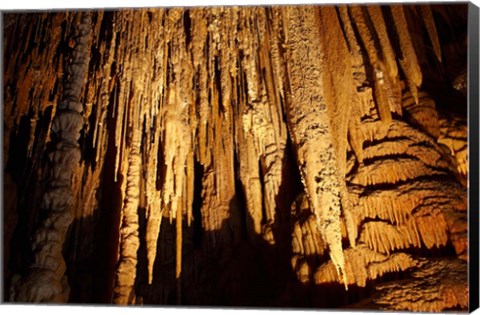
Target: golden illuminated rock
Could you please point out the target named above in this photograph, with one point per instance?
(245, 156)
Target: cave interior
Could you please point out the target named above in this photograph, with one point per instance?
(270, 156)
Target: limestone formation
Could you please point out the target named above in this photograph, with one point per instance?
(45, 280)
(241, 156)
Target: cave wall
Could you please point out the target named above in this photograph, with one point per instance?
(252, 156)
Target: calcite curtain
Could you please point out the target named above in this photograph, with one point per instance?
(300, 156)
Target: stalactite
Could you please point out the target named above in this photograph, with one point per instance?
(408, 61)
(338, 78)
(105, 90)
(123, 95)
(359, 81)
(388, 83)
(31, 78)
(178, 254)
(34, 82)
(311, 131)
(375, 13)
(359, 16)
(177, 135)
(129, 239)
(338, 81)
(273, 134)
(216, 208)
(214, 143)
(153, 228)
(46, 280)
(429, 22)
(254, 125)
(358, 67)
(33, 124)
(153, 195)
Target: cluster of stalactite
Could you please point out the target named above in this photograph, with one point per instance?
(302, 131)
(45, 279)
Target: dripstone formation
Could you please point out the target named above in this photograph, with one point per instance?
(300, 156)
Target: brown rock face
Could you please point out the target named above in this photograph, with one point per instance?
(251, 156)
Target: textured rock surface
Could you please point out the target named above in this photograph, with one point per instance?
(249, 156)
(442, 284)
(45, 279)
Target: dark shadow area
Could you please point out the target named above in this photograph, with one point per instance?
(27, 181)
(107, 230)
(81, 262)
(439, 77)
